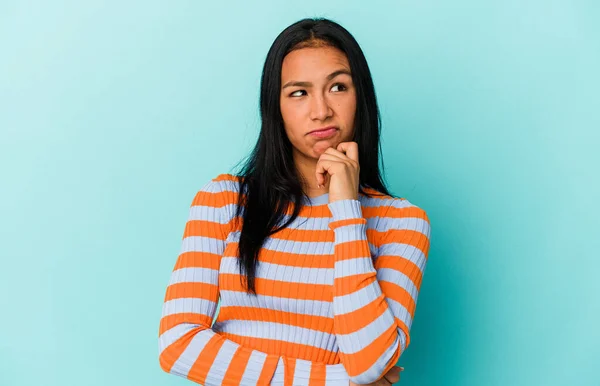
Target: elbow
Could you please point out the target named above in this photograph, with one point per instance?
(163, 363)
(383, 364)
(165, 359)
(367, 378)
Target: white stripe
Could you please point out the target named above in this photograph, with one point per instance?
(416, 224)
(277, 331)
(297, 306)
(189, 305)
(202, 244)
(369, 375)
(253, 368)
(301, 372)
(171, 335)
(187, 358)
(350, 232)
(279, 374)
(281, 272)
(405, 251)
(356, 341)
(400, 312)
(297, 247)
(217, 371)
(358, 265)
(400, 279)
(206, 213)
(194, 275)
(345, 304)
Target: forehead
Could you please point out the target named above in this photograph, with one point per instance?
(312, 63)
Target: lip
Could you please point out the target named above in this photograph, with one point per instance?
(324, 132)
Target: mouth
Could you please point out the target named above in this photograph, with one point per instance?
(324, 132)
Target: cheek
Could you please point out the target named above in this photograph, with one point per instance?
(292, 120)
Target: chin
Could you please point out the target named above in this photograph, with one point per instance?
(320, 147)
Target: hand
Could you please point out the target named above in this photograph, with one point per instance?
(393, 376)
(344, 170)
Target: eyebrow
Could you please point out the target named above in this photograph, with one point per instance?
(308, 84)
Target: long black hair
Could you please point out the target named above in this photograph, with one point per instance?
(269, 180)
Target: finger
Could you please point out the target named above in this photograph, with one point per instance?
(386, 381)
(339, 157)
(326, 166)
(393, 378)
(393, 374)
(350, 148)
(336, 152)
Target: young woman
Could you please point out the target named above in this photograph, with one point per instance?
(316, 265)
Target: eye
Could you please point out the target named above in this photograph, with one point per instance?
(292, 94)
(340, 84)
(295, 93)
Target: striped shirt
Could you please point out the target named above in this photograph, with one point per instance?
(336, 292)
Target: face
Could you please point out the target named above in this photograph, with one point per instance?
(317, 92)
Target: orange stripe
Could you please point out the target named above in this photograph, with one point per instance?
(348, 221)
(348, 284)
(410, 237)
(292, 259)
(207, 356)
(304, 235)
(235, 371)
(355, 320)
(410, 211)
(317, 211)
(227, 177)
(317, 374)
(205, 229)
(399, 294)
(268, 287)
(170, 321)
(211, 199)
(289, 370)
(403, 265)
(318, 323)
(268, 370)
(352, 250)
(198, 260)
(361, 361)
(198, 290)
(283, 348)
(170, 354)
(404, 328)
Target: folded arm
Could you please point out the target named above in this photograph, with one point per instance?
(188, 347)
(374, 302)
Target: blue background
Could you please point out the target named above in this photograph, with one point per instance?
(113, 114)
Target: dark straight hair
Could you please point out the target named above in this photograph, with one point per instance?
(268, 179)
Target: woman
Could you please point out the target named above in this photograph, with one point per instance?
(316, 265)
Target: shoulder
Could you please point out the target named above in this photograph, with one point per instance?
(396, 212)
(222, 183)
(220, 190)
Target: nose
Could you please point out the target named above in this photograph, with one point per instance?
(320, 109)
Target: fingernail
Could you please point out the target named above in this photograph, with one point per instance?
(401, 368)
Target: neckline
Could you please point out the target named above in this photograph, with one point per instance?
(317, 200)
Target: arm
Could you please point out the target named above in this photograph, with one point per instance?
(188, 347)
(374, 303)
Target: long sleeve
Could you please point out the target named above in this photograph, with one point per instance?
(374, 303)
(188, 347)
